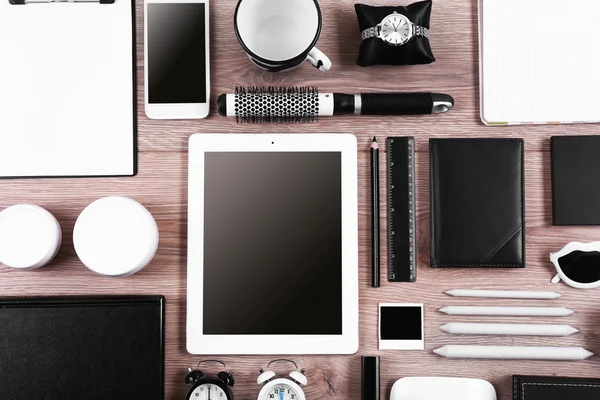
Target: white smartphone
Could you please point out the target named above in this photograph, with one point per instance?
(176, 59)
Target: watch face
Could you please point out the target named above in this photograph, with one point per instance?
(208, 391)
(282, 392)
(396, 29)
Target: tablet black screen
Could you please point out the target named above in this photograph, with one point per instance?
(272, 243)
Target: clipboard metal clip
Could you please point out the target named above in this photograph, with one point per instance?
(23, 2)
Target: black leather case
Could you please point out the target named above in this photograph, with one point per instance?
(477, 203)
(555, 388)
(376, 52)
(575, 177)
(74, 348)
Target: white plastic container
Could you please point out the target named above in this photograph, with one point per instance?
(30, 236)
(115, 236)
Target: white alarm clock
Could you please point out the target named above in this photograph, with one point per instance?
(288, 388)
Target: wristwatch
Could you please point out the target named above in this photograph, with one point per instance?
(395, 30)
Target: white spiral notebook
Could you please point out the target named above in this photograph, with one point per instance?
(539, 61)
(67, 89)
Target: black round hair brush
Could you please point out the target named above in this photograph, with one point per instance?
(306, 104)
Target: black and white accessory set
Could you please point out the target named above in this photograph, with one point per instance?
(32, 236)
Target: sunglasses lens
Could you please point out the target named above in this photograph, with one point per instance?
(581, 266)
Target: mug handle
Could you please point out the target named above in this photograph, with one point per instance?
(319, 60)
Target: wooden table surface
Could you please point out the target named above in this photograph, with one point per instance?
(161, 186)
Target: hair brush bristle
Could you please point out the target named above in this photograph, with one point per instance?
(273, 104)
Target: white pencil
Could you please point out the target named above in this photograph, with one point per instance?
(504, 294)
(514, 352)
(507, 311)
(462, 328)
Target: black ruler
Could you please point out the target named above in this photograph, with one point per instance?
(401, 209)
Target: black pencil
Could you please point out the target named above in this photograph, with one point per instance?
(375, 212)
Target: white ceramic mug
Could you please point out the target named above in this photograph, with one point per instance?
(279, 35)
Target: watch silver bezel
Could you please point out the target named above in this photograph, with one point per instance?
(411, 32)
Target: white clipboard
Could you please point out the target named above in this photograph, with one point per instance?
(68, 89)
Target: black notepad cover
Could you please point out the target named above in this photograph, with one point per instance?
(555, 388)
(477, 203)
(74, 348)
(576, 180)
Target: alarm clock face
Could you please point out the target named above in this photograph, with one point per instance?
(282, 392)
(396, 29)
(281, 389)
(208, 391)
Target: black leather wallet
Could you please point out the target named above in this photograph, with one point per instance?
(555, 388)
(575, 175)
(477, 203)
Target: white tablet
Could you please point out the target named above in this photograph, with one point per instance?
(272, 244)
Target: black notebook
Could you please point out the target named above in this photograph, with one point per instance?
(575, 176)
(74, 348)
(477, 203)
(555, 388)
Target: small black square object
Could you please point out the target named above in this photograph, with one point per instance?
(576, 180)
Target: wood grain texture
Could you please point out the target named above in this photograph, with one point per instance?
(162, 187)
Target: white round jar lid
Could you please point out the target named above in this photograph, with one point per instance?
(30, 236)
(115, 236)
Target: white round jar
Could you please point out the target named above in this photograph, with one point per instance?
(30, 236)
(115, 236)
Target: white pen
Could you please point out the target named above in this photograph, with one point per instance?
(508, 311)
(462, 328)
(514, 352)
(503, 294)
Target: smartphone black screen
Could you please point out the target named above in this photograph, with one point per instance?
(176, 53)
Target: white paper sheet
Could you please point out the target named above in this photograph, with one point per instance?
(539, 61)
(66, 89)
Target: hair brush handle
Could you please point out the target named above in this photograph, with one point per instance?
(403, 103)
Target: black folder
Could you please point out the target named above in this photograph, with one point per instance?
(76, 348)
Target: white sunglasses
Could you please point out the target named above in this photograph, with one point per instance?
(578, 265)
